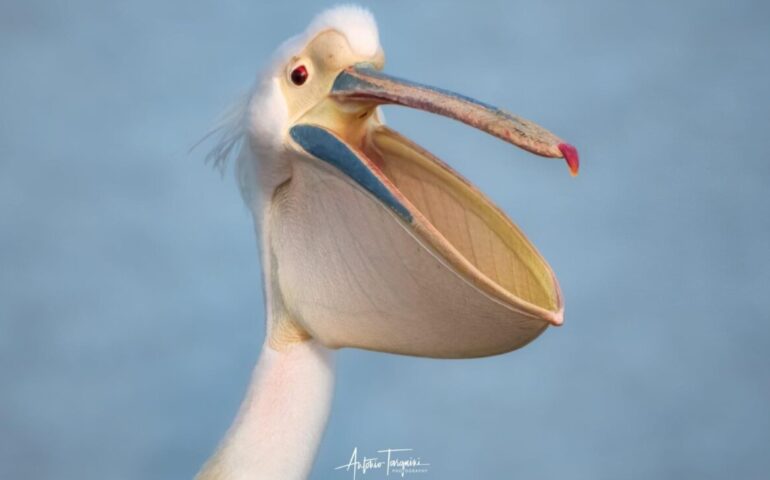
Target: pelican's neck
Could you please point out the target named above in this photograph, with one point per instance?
(281, 421)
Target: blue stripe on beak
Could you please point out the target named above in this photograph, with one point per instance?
(325, 146)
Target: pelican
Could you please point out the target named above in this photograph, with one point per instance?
(366, 239)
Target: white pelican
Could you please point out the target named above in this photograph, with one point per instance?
(366, 239)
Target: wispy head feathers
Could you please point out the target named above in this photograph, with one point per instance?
(229, 132)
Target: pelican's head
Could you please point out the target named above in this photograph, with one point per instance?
(371, 241)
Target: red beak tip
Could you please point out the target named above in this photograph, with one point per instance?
(570, 154)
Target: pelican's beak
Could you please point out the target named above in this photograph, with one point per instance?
(412, 258)
(364, 83)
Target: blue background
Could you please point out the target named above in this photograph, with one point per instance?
(130, 297)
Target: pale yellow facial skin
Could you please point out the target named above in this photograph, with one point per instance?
(325, 57)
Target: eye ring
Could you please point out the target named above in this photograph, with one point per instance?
(299, 75)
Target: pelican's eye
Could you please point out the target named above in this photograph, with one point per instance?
(299, 75)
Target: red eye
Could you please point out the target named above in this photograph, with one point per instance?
(299, 75)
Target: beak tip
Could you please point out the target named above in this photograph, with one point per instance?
(570, 154)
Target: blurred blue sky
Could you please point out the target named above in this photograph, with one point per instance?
(130, 304)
